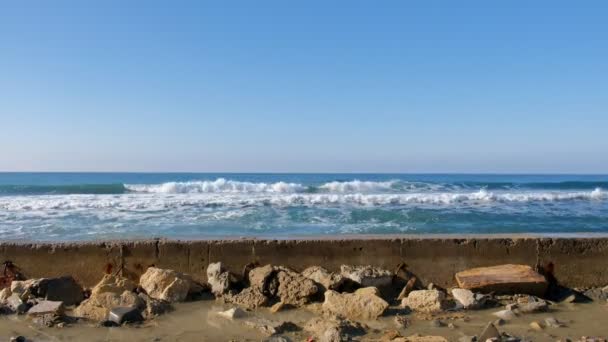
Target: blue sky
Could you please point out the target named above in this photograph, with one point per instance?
(310, 86)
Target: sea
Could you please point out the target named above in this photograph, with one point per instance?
(95, 206)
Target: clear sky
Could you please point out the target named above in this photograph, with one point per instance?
(310, 86)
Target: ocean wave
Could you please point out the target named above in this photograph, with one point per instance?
(358, 186)
(220, 185)
(146, 202)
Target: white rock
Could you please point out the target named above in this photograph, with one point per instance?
(468, 299)
(233, 313)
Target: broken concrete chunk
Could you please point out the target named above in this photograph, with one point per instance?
(468, 299)
(114, 284)
(46, 307)
(489, 332)
(333, 329)
(363, 304)
(367, 275)
(503, 279)
(64, 289)
(425, 301)
(507, 314)
(97, 306)
(326, 280)
(167, 284)
(220, 279)
(409, 287)
(125, 314)
(250, 298)
(16, 305)
(262, 278)
(295, 289)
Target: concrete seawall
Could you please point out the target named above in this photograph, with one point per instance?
(578, 262)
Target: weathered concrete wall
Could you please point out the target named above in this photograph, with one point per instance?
(579, 262)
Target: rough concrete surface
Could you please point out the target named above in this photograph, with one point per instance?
(577, 261)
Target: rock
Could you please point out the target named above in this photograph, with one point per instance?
(401, 321)
(15, 304)
(503, 279)
(125, 314)
(409, 287)
(46, 307)
(468, 299)
(367, 276)
(47, 320)
(23, 288)
(333, 329)
(233, 313)
(154, 307)
(4, 294)
(499, 322)
(98, 306)
(552, 322)
(167, 284)
(363, 304)
(295, 289)
(596, 294)
(250, 298)
(64, 289)
(18, 339)
(536, 326)
(262, 279)
(489, 332)
(269, 328)
(325, 280)
(115, 284)
(220, 280)
(428, 301)
(537, 306)
(437, 323)
(507, 315)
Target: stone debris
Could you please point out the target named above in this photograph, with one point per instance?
(334, 329)
(220, 280)
(46, 307)
(367, 276)
(503, 279)
(168, 284)
(468, 299)
(536, 326)
(234, 313)
(427, 301)
(154, 307)
(263, 278)
(269, 327)
(250, 298)
(110, 292)
(489, 332)
(295, 289)
(552, 322)
(506, 314)
(125, 314)
(365, 304)
(409, 287)
(324, 279)
(16, 304)
(64, 289)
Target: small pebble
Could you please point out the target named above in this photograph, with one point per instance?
(536, 326)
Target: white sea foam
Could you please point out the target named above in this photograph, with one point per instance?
(357, 186)
(220, 185)
(276, 196)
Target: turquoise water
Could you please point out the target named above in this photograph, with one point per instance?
(90, 206)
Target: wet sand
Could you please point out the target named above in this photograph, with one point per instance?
(197, 321)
